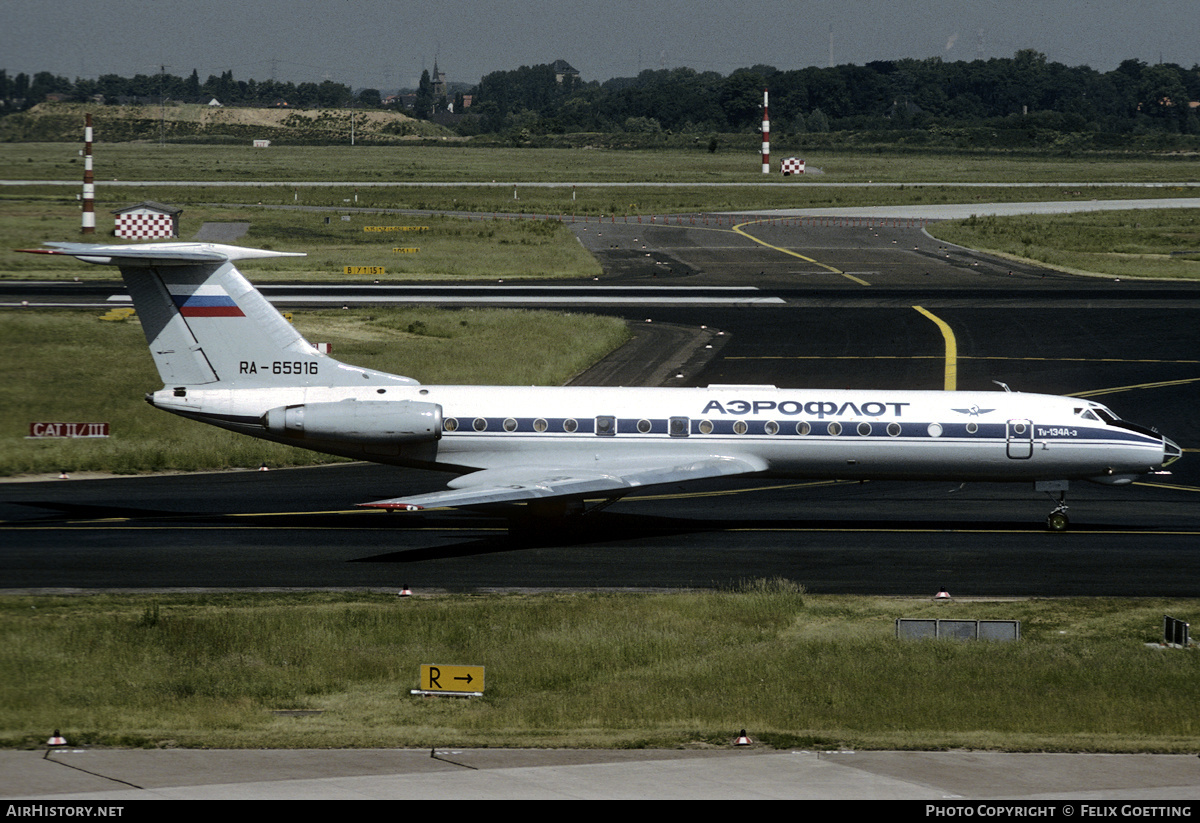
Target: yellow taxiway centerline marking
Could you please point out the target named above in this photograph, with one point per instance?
(950, 382)
(738, 230)
(1117, 389)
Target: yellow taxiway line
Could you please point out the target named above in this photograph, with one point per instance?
(738, 230)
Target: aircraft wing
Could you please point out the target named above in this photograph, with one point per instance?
(516, 484)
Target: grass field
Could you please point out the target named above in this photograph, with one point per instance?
(1162, 243)
(70, 366)
(492, 246)
(459, 163)
(589, 670)
(446, 248)
(456, 178)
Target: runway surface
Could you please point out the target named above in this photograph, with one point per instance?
(1050, 784)
(817, 303)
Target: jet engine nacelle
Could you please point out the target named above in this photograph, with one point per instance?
(358, 421)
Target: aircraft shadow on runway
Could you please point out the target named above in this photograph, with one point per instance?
(609, 527)
(63, 511)
(493, 534)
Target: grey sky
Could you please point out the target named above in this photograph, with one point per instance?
(386, 43)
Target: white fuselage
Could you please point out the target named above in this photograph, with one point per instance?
(810, 433)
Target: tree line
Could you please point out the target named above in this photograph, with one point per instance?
(1134, 98)
(891, 94)
(20, 92)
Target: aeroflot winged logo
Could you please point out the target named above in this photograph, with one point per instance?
(203, 301)
(974, 411)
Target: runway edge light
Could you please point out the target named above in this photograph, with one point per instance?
(742, 739)
(56, 739)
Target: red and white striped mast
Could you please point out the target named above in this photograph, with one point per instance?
(89, 185)
(766, 148)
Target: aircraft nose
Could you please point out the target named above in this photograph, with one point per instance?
(1171, 451)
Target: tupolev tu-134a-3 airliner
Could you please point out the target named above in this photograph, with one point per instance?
(228, 358)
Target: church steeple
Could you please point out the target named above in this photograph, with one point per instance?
(438, 82)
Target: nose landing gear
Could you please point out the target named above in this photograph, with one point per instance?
(1057, 520)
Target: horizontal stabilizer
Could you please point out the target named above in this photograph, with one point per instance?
(526, 483)
(158, 254)
(207, 325)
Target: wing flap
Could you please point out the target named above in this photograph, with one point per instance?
(525, 483)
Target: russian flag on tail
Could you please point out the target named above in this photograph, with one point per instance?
(204, 301)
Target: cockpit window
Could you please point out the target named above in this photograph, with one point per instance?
(1086, 414)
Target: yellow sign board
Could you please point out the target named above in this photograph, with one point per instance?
(364, 270)
(401, 250)
(441, 678)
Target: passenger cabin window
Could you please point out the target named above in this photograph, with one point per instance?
(678, 427)
(606, 426)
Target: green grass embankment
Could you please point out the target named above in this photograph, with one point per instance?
(1158, 243)
(455, 162)
(584, 670)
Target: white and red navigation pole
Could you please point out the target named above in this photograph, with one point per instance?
(766, 137)
(89, 184)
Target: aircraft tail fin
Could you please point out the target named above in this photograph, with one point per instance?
(206, 324)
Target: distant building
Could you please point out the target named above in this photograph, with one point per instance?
(438, 82)
(564, 70)
(147, 220)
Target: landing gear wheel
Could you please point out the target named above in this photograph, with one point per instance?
(1057, 522)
